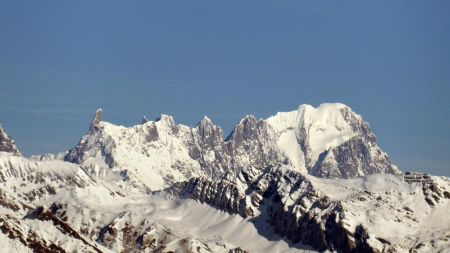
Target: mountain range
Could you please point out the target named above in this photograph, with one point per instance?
(309, 180)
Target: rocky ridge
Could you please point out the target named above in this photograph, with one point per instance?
(305, 209)
(55, 206)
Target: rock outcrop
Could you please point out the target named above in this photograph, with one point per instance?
(96, 120)
(7, 144)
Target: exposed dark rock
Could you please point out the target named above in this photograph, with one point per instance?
(96, 120)
(430, 188)
(353, 158)
(253, 140)
(237, 250)
(9, 226)
(152, 133)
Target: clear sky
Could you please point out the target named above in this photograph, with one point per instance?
(388, 60)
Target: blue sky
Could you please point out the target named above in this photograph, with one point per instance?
(388, 60)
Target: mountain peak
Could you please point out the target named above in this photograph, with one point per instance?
(97, 119)
(248, 119)
(206, 119)
(205, 123)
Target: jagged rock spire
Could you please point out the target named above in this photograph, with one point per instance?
(7, 144)
(204, 123)
(144, 120)
(97, 119)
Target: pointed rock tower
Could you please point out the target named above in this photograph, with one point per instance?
(96, 120)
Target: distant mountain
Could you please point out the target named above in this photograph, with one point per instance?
(330, 141)
(310, 180)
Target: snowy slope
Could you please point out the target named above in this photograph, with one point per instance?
(56, 206)
(319, 128)
(392, 209)
(27, 184)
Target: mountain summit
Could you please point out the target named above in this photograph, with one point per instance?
(330, 141)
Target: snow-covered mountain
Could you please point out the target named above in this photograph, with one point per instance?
(310, 180)
(329, 141)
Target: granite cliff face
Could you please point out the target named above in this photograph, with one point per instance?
(7, 144)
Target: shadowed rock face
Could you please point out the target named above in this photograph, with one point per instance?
(268, 193)
(96, 120)
(299, 210)
(354, 158)
(208, 148)
(433, 194)
(7, 144)
(253, 144)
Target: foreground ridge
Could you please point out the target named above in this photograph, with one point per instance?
(357, 215)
